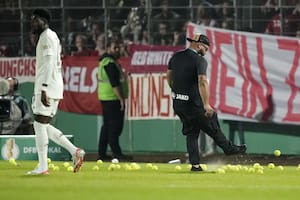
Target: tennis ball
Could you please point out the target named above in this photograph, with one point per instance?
(149, 165)
(220, 171)
(177, 168)
(251, 170)
(128, 167)
(271, 166)
(135, 166)
(51, 166)
(111, 167)
(260, 171)
(95, 168)
(11, 161)
(154, 167)
(189, 166)
(280, 167)
(66, 164)
(49, 160)
(256, 165)
(70, 169)
(56, 168)
(99, 162)
(277, 152)
(204, 167)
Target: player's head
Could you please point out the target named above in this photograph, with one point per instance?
(200, 43)
(40, 19)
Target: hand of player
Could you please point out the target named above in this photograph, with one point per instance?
(209, 111)
(44, 99)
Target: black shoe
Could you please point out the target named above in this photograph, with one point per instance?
(236, 149)
(123, 158)
(196, 169)
(105, 158)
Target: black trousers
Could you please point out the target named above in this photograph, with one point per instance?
(113, 121)
(193, 120)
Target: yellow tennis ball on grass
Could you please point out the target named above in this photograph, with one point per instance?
(277, 152)
(70, 169)
(271, 165)
(95, 168)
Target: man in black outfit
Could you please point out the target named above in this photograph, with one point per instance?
(190, 92)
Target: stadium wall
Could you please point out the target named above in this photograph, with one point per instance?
(157, 136)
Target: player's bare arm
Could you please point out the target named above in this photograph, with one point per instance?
(204, 93)
(169, 78)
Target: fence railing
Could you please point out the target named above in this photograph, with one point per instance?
(91, 23)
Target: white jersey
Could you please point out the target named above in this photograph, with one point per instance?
(48, 68)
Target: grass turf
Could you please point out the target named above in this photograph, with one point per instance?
(130, 183)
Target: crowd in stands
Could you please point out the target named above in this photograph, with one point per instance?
(158, 22)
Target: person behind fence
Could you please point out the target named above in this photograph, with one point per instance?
(48, 90)
(187, 79)
(16, 117)
(112, 94)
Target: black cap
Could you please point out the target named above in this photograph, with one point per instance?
(199, 38)
(43, 13)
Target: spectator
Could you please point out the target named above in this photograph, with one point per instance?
(93, 35)
(100, 44)
(292, 21)
(162, 37)
(226, 15)
(3, 51)
(205, 15)
(180, 35)
(144, 37)
(30, 45)
(82, 49)
(270, 10)
(133, 27)
(166, 15)
(274, 25)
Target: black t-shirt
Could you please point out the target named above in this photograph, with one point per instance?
(112, 71)
(186, 65)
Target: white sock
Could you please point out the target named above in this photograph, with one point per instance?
(41, 141)
(59, 138)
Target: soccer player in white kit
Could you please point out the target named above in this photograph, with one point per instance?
(48, 90)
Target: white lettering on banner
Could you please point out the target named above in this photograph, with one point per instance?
(150, 97)
(253, 76)
(75, 79)
(29, 150)
(151, 57)
(32, 150)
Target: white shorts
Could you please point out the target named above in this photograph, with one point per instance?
(38, 107)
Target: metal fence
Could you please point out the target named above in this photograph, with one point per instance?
(158, 22)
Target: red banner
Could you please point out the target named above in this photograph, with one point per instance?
(80, 75)
(80, 85)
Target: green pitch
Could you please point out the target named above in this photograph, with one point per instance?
(143, 181)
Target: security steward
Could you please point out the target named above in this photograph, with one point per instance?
(187, 78)
(112, 93)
